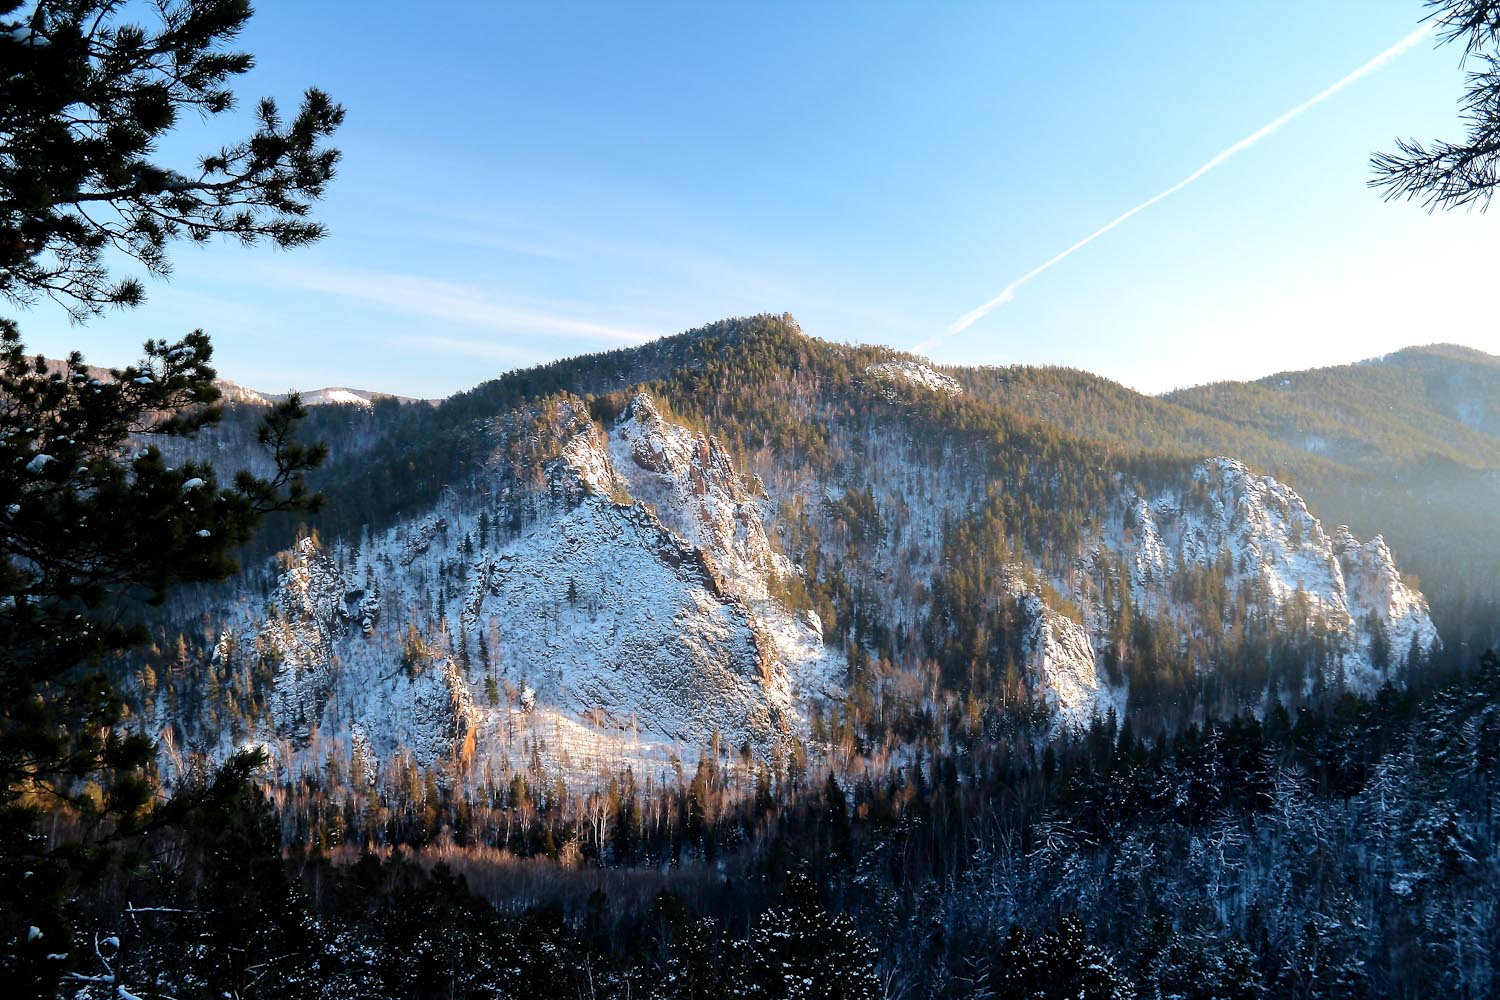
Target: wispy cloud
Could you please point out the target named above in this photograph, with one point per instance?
(445, 300)
(973, 316)
(656, 239)
(489, 350)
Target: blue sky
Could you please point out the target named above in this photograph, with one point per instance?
(526, 182)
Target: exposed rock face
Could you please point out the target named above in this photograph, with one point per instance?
(647, 603)
(602, 609)
(1060, 655)
(635, 596)
(1261, 534)
(1262, 525)
(369, 609)
(428, 715)
(307, 620)
(1376, 594)
(689, 480)
(312, 590)
(325, 679)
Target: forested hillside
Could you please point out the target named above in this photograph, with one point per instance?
(1406, 445)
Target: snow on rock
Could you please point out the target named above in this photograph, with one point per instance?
(311, 590)
(603, 611)
(368, 609)
(416, 539)
(914, 373)
(690, 481)
(614, 585)
(382, 696)
(233, 392)
(586, 464)
(646, 603)
(1060, 657)
(1377, 594)
(428, 714)
(1260, 533)
(304, 621)
(606, 594)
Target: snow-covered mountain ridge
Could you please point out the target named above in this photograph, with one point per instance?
(916, 374)
(1274, 557)
(609, 582)
(1270, 542)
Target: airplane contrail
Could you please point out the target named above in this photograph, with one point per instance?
(971, 317)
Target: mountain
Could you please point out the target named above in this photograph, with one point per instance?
(1422, 403)
(1407, 444)
(646, 617)
(233, 392)
(743, 537)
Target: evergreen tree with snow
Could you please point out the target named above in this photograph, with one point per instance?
(91, 528)
(1058, 965)
(799, 951)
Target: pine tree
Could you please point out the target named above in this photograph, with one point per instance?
(693, 968)
(88, 528)
(1449, 174)
(1059, 965)
(252, 928)
(798, 951)
(838, 818)
(84, 104)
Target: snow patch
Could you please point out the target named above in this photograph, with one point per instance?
(914, 373)
(335, 395)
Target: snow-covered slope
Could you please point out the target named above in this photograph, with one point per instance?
(331, 676)
(1275, 559)
(633, 602)
(233, 392)
(630, 617)
(1062, 661)
(335, 395)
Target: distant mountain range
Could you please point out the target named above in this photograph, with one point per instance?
(233, 392)
(328, 395)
